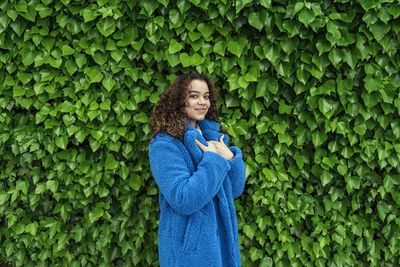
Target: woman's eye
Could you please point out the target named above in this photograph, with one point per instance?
(195, 96)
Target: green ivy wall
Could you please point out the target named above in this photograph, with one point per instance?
(308, 90)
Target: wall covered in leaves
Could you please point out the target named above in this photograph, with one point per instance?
(308, 90)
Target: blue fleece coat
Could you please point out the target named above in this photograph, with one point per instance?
(197, 224)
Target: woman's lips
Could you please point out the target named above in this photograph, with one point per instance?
(201, 110)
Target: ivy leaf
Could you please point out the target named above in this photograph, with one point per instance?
(66, 106)
(231, 101)
(176, 18)
(173, 59)
(78, 233)
(220, 47)
(67, 50)
(96, 134)
(266, 262)
(106, 26)
(4, 197)
(235, 48)
(255, 254)
(336, 56)
(306, 16)
(28, 58)
(383, 209)
(186, 60)
(362, 245)
(52, 185)
(48, 43)
(394, 10)
(193, 60)
(150, 6)
(21, 6)
(32, 228)
(379, 30)
(108, 83)
(18, 26)
(174, 46)
(71, 67)
(325, 106)
(370, 100)
(80, 60)
(266, 3)
(360, 128)
(141, 117)
(318, 138)
(255, 21)
(18, 91)
(103, 191)
(89, 14)
(272, 53)
(326, 178)
(111, 163)
(117, 55)
(351, 58)
(22, 186)
(24, 77)
(105, 105)
(323, 46)
(333, 29)
(372, 84)
(123, 171)
(342, 169)
(124, 118)
(353, 182)
(257, 107)
(100, 58)
(61, 141)
(94, 75)
(95, 214)
(191, 25)
(205, 29)
(250, 230)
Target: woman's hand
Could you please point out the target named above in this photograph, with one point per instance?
(222, 149)
(210, 147)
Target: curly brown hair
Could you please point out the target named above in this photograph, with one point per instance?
(169, 116)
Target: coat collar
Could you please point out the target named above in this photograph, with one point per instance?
(210, 130)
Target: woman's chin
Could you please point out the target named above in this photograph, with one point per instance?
(200, 118)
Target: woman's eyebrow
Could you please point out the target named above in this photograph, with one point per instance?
(194, 91)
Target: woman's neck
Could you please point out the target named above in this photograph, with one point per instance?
(193, 123)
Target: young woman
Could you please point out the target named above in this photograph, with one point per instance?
(198, 177)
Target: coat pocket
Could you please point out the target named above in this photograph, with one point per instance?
(193, 231)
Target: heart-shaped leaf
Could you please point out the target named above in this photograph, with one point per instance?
(205, 29)
(111, 163)
(174, 46)
(255, 21)
(108, 83)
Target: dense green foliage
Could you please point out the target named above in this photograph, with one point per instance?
(308, 90)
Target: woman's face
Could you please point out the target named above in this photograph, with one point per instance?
(197, 101)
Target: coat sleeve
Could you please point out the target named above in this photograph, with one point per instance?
(186, 193)
(237, 172)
